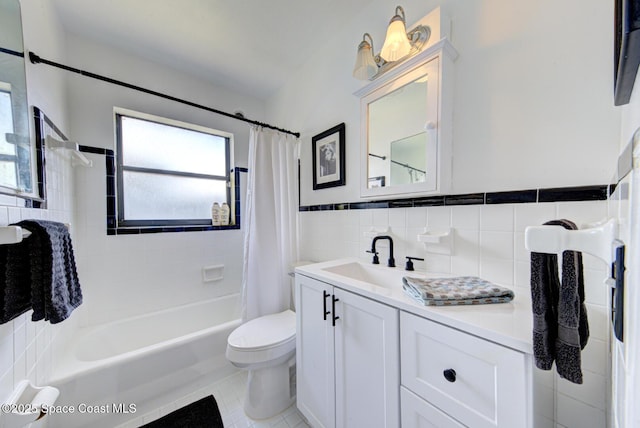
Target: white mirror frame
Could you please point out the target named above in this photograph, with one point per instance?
(437, 62)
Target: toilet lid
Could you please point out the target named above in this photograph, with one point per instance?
(264, 332)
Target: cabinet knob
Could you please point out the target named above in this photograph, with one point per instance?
(450, 375)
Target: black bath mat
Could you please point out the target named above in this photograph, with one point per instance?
(203, 413)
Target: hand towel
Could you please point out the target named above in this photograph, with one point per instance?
(463, 290)
(55, 288)
(560, 328)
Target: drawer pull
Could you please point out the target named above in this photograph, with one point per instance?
(450, 375)
(334, 299)
(324, 303)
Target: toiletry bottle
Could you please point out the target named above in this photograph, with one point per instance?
(224, 214)
(215, 214)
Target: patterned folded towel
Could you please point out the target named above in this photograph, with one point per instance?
(462, 290)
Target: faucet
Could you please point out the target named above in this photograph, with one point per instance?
(391, 262)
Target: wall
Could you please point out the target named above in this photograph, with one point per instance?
(533, 108)
(488, 242)
(26, 347)
(125, 275)
(533, 102)
(627, 354)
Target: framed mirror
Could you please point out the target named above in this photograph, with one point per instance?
(405, 128)
(15, 143)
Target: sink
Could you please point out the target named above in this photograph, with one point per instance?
(377, 275)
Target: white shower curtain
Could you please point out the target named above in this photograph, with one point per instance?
(271, 229)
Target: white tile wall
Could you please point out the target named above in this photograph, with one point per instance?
(489, 242)
(26, 347)
(128, 275)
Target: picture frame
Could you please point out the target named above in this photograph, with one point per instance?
(328, 151)
(626, 49)
(377, 181)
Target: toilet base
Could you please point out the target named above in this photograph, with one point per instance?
(270, 390)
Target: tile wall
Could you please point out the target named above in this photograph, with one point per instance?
(488, 242)
(26, 347)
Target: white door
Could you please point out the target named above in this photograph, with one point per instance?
(367, 365)
(314, 352)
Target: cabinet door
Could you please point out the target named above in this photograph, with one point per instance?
(367, 363)
(314, 352)
(417, 413)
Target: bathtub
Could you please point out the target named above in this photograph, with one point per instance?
(146, 361)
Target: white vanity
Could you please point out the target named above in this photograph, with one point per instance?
(369, 356)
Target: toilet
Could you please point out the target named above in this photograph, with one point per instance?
(266, 346)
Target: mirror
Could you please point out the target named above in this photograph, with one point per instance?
(15, 144)
(408, 160)
(397, 135)
(405, 120)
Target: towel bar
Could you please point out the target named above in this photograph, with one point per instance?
(15, 234)
(53, 143)
(598, 241)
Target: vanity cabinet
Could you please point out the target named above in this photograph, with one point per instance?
(452, 379)
(459, 366)
(347, 358)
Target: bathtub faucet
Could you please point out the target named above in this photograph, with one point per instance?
(391, 262)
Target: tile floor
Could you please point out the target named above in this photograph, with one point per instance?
(229, 393)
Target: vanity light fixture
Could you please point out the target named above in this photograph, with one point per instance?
(366, 66)
(398, 45)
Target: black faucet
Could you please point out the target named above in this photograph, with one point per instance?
(391, 262)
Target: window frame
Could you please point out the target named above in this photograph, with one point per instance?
(122, 222)
(5, 88)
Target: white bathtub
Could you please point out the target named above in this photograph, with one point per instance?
(147, 361)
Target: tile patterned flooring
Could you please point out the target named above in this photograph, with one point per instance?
(229, 393)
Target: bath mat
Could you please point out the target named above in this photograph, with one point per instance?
(203, 413)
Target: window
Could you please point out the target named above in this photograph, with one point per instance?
(169, 173)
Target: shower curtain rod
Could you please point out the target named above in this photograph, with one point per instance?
(409, 167)
(36, 59)
(11, 52)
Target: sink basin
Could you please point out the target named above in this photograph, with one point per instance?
(377, 275)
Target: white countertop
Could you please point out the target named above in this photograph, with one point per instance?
(508, 324)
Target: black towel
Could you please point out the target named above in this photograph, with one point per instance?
(55, 289)
(560, 326)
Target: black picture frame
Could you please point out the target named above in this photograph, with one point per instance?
(626, 49)
(328, 152)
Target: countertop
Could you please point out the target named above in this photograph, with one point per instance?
(508, 324)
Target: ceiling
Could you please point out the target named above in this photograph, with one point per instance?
(250, 46)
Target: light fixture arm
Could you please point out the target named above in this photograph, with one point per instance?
(364, 40)
(419, 36)
(399, 10)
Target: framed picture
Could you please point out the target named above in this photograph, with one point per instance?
(376, 181)
(328, 158)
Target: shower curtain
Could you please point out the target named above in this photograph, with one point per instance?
(271, 229)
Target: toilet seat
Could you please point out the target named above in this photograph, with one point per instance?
(262, 340)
